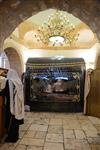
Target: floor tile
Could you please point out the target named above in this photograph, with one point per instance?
(97, 126)
(91, 133)
(71, 124)
(21, 133)
(28, 120)
(82, 117)
(36, 127)
(41, 121)
(55, 129)
(80, 134)
(53, 146)
(8, 146)
(69, 134)
(24, 126)
(94, 120)
(21, 147)
(94, 140)
(40, 135)
(54, 138)
(30, 141)
(34, 148)
(75, 144)
(30, 134)
(55, 122)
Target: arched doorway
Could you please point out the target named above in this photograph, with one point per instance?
(14, 59)
(24, 35)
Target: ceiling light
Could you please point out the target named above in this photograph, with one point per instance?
(57, 31)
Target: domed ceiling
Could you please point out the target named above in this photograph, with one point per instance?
(53, 29)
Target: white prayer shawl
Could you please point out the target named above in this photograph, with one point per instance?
(16, 95)
(87, 87)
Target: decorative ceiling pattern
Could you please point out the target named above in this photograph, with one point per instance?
(29, 34)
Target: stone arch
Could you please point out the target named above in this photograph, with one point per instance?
(14, 59)
(11, 36)
(87, 11)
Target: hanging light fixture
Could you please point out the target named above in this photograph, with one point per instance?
(57, 31)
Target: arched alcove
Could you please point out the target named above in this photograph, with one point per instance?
(24, 39)
(14, 59)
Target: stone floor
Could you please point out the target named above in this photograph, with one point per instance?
(57, 131)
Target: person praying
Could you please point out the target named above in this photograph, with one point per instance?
(14, 105)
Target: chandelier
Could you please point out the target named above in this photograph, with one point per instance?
(57, 31)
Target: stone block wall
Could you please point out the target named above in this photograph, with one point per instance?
(12, 13)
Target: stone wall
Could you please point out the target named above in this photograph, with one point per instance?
(14, 12)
